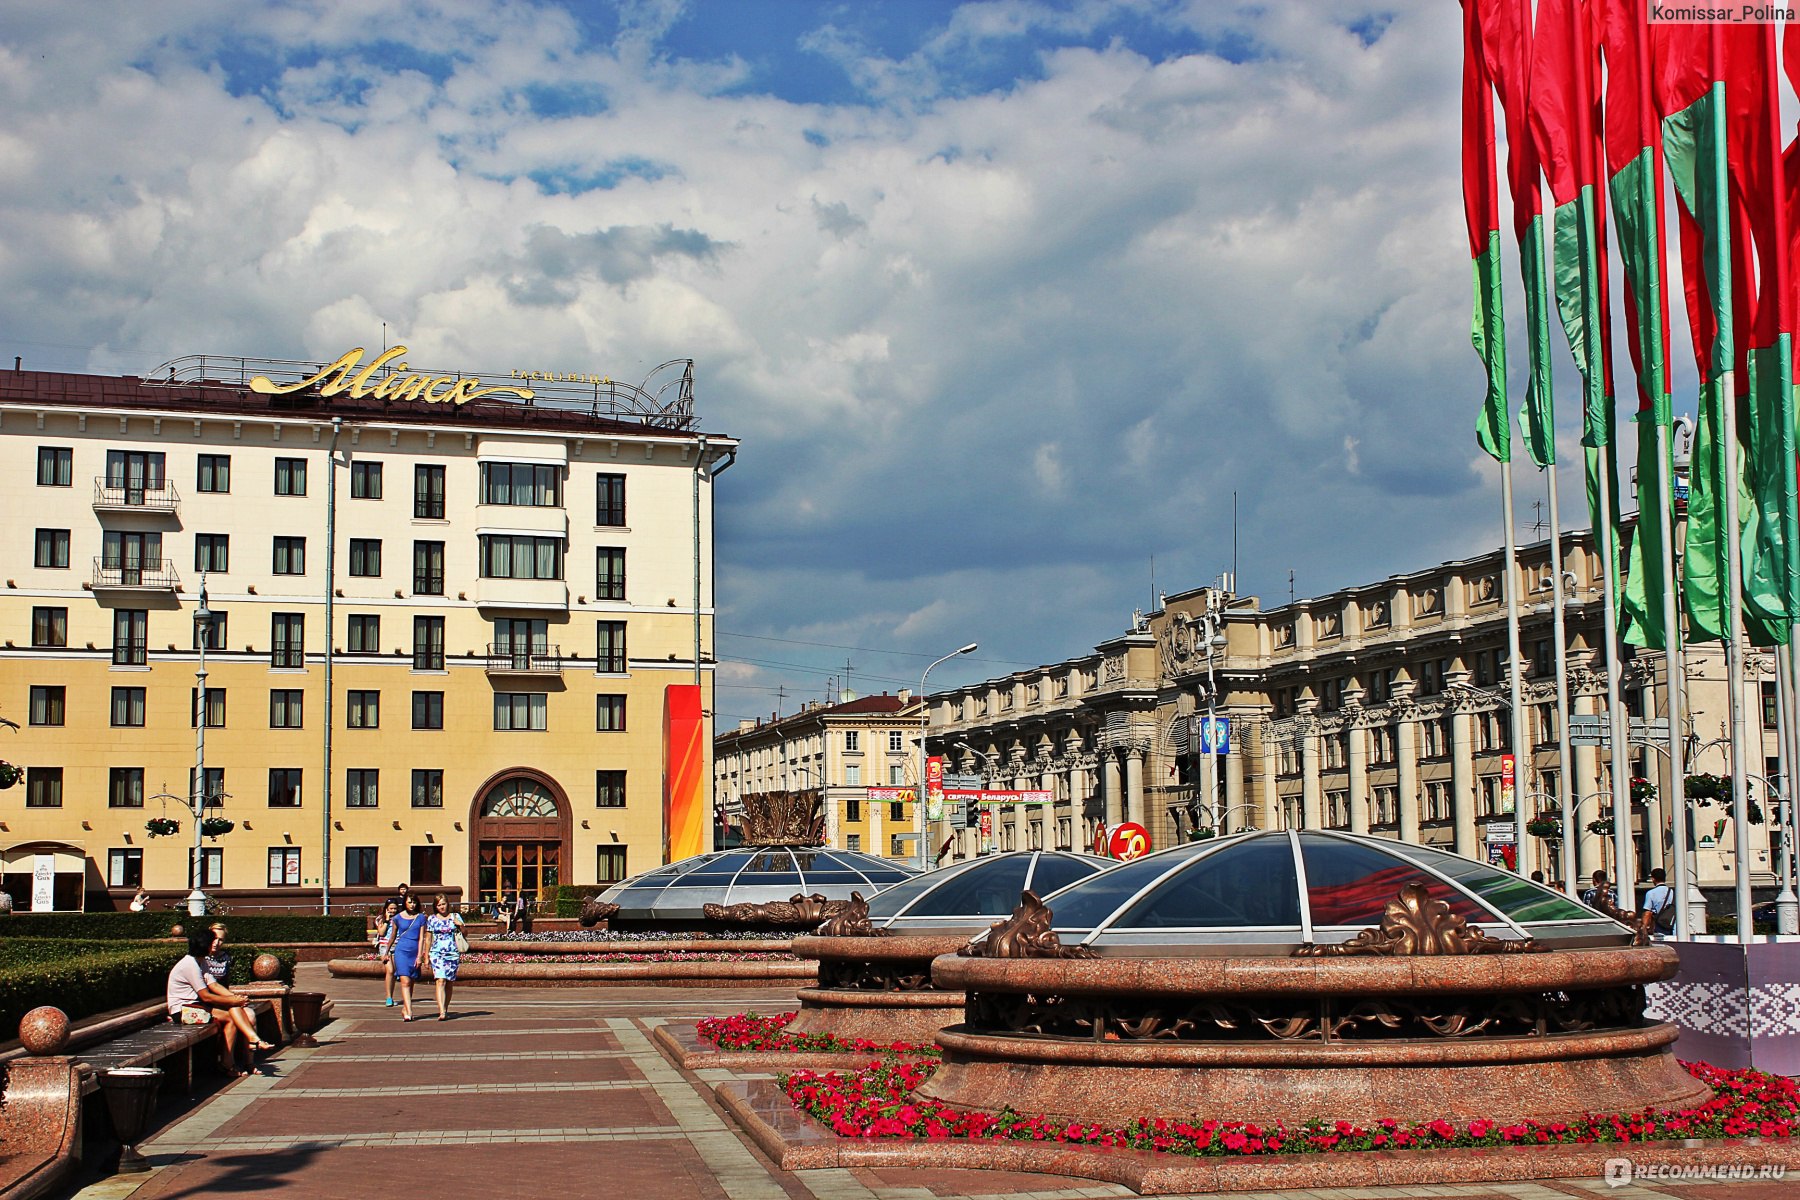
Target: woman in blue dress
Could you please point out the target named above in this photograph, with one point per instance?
(403, 937)
(442, 927)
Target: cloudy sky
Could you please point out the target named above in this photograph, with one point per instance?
(1005, 299)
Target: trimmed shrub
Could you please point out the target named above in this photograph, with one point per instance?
(87, 977)
(138, 927)
(570, 897)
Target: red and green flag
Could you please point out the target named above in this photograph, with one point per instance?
(1481, 208)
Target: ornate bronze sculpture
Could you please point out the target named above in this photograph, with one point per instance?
(1025, 934)
(1414, 923)
(851, 921)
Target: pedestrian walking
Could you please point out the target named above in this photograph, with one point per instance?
(1659, 901)
(447, 944)
(384, 949)
(404, 937)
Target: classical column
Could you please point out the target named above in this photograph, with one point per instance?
(1134, 785)
(1310, 816)
(1237, 815)
(1584, 786)
(1270, 799)
(1358, 737)
(1406, 760)
(1111, 794)
(1462, 783)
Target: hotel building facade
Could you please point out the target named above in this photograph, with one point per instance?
(859, 757)
(1378, 709)
(507, 584)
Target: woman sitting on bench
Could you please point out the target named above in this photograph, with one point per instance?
(191, 989)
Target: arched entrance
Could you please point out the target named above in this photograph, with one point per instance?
(519, 837)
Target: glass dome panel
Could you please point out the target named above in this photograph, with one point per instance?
(1053, 872)
(1091, 902)
(992, 891)
(1350, 883)
(1254, 886)
(889, 901)
(1520, 899)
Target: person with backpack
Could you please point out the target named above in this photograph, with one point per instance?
(1659, 901)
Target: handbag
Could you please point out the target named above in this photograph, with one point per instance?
(196, 1016)
(462, 941)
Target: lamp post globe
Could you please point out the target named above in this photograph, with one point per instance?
(203, 617)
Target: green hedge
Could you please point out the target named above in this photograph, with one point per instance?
(570, 897)
(87, 977)
(137, 927)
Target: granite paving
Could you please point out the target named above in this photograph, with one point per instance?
(563, 1092)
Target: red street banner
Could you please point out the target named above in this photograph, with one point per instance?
(999, 799)
(934, 788)
(890, 795)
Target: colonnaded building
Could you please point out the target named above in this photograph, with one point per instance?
(460, 629)
(1380, 708)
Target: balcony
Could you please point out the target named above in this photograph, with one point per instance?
(160, 499)
(532, 595)
(125, 575)
(509, 658)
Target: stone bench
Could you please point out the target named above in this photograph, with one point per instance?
(160, 1042)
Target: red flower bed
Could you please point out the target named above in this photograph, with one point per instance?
(878, 1102)
(748, 1031)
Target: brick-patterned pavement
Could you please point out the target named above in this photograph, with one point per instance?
(559, 1092)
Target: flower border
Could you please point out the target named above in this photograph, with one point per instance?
(751, 1032)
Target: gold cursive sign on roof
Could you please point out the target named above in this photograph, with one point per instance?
(343, 376)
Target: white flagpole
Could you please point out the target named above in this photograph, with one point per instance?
(1559, 629)
(1675, 693)
(1521, 737)
(1624, 871)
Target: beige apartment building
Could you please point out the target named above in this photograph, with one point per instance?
(1380, 708)
(507, 582)
(859, 756)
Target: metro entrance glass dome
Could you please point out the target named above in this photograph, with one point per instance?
(676, 894)
(1271, 892)
(972, 895)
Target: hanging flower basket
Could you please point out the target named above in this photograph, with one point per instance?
(1603, 827)
(1545, 825)
(1201, 833)
(1642, 790)
(1705, 789)
(1755, 812)
(216, 826)
(9, 774)
(162, 826)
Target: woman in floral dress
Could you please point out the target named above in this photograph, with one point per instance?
(442, 927)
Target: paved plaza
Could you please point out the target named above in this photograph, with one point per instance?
(561, 1092)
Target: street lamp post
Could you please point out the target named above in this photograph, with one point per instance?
(1787, 905)
(924, 730)
(203, 618)
(1214, 639)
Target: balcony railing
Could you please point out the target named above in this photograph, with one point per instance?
(136, 497)
(130, 652)
(150, 574)
(428, 583)
(507, 658)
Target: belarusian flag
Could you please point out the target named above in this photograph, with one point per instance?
(1481, 208)
(1634, 165)
(1505, 31)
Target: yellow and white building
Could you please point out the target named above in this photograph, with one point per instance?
(507, 582)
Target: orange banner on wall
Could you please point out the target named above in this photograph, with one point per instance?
(684, 773)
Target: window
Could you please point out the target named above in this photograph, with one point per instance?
(131, 636)
(52, 548)
(290, 556)
(896, 741)
(896, 775)
(521, 637)
(125, 868)
(125, 787)
(43, 787)
(609, 789)
(853, 810)
(609, 647)
(428, 492)
(537, 485)
(853, 775)
(362, 865)
(852, 739)
(365, 481)
(610, 508)
(609, 864)
(896, 810)
(428, 710)
(897, 845)
(284, 787)
(290, 477)
(285, 708)
(365, 634)
(362, 710)
(212, 866)
(853, 841)
(510, 556)
(1768, 706)
(287, 632)
(132, 473)
(362, 789)
(56, 466)
(128, 706)
(215, 632)
(427, 864)
(214, 473)
(49, 627)
(428, 789)
(520, 710)
(214, 795)
(365, 557)
(284, 866)
(212, 552)
(47, 705)
(428, 568)
(609, 713)
(609, 581)
(428, 643)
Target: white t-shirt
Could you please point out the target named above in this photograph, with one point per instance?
(186, 982)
